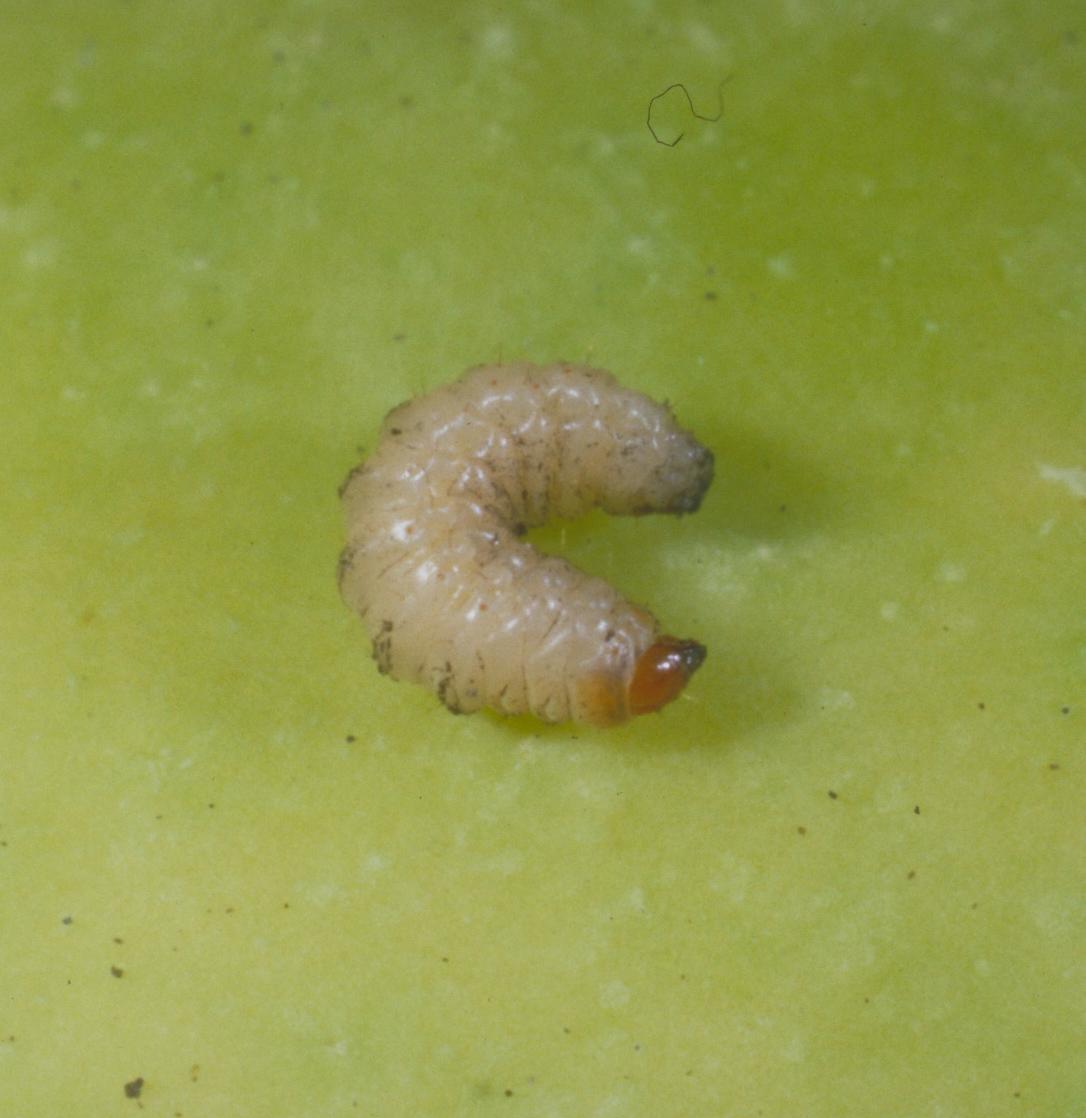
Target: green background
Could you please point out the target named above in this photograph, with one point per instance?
(844, 874)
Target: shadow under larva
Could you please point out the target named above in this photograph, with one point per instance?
(451, 594)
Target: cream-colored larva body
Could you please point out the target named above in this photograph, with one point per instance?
(454, 599)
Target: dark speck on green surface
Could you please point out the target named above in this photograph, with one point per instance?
(134, 1088)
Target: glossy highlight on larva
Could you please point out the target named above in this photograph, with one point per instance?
(453, 597)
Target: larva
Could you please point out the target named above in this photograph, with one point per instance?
(451, 595)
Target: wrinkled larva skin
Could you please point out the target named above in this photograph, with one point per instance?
(450, 594)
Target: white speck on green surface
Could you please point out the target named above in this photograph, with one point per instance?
(1072, 478)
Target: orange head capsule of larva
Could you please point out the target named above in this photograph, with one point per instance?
(661, 672)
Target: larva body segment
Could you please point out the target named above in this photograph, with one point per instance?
(451, 595)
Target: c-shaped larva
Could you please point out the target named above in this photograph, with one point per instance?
(454, 599)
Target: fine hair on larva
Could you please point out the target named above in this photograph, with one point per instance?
(451, 594)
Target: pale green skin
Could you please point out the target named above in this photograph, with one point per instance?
(200, 323)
